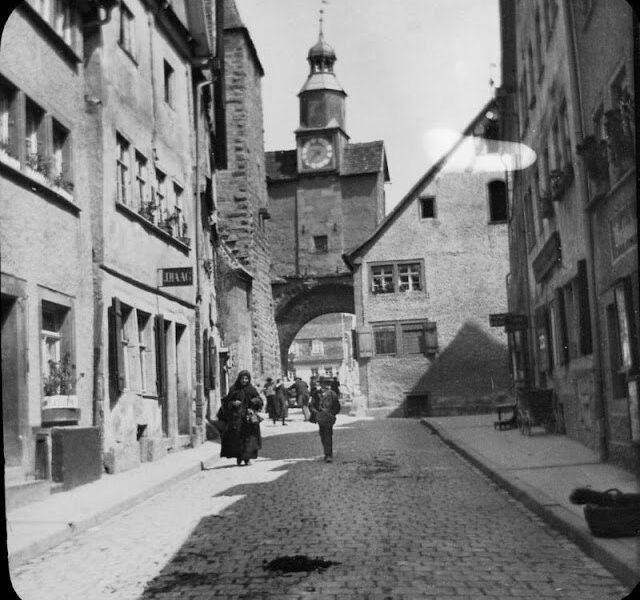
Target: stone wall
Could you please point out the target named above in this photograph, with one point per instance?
(465, 261)
(242, 195)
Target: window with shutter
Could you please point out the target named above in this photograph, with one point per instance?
(205, 359)
(117, 342)
(365, 344)
(413, 339)
(431, 338)
(385, 339)
(213, 364)
(584, 316)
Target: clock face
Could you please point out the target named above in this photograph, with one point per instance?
(317, 153)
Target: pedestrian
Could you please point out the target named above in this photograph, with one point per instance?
(239, 411)
(335, 386)
(269, 391)
(302, 396)
(324, 408)
(314, 389)
(282, 401)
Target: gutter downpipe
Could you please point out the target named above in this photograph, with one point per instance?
(576, 87)
(200, 402)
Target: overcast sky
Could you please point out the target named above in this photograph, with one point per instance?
(408, 67)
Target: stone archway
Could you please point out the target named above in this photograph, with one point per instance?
(299, 302)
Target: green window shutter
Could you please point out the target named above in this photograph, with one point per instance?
(115, 339)
(354, 344)
(213, 364)
(584, 311)
(365, 344)
(161, 357)
(205, 360)
(431, 338)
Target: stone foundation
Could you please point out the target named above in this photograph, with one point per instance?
(122, 457)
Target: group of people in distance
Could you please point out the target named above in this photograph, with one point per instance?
(240, 421)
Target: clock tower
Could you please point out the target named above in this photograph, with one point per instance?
(321, 136)
(327, 193)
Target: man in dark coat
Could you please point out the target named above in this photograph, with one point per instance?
(324, 407)
(302, 396)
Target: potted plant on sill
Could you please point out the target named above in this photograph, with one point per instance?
(595, 156)
(620, 135)
(7, 156)
(148, 210)
(184, 238)
(60, 181)
(60, 402)
(39, 167)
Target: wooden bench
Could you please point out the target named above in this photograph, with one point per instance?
(509, 420)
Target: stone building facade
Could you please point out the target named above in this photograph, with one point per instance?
(326, 195)
(426, 282)
(242, 198)
(114, 291)
(45, 235)
(574, 273)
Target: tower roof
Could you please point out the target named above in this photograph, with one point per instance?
(321, 49)
(321, 57)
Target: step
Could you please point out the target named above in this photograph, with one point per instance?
(26, 492)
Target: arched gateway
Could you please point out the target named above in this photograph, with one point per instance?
(299, 300)
(325, 196)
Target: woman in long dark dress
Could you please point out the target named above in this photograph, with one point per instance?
(239, 410)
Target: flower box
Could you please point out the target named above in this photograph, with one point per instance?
(9, 160)
(60, 401)
(58, 416)
(37, 176)
(596, 159)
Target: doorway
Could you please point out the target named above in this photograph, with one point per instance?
(11, 409)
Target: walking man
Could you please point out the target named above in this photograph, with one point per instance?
(324, 408)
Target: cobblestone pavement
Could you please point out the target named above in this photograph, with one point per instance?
(402, 514)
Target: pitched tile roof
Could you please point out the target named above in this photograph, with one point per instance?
(367, 157)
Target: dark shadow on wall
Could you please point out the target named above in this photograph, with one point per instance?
(466, 378)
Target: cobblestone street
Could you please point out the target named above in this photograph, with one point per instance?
(401, 514)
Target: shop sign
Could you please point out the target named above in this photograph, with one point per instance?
(623, 232)
(510, 321)
(497, 319)
(549, 257)
(176, 276)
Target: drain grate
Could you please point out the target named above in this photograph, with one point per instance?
(297, 563)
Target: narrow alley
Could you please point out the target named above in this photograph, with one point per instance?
(397, 515)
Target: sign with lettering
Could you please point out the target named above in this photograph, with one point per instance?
(176, 276)
(510, 321)
(497, 319)
(549, 257)
(623, 231)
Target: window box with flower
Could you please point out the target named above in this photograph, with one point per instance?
(618, 125)
(7, 156)
(38, 167)
(148, 210)
(560, 181)
(596, 159)
(60, 402)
